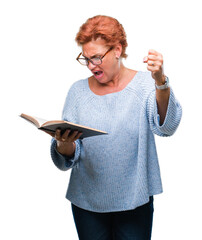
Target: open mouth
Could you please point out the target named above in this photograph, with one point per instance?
(98, 73)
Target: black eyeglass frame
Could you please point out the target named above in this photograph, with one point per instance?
(90, 60)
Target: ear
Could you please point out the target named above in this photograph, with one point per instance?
(118, 50)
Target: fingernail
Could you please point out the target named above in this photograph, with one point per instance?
(145, 59)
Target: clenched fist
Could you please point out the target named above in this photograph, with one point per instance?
(154, 62)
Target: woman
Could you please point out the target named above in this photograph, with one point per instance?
(114, 176)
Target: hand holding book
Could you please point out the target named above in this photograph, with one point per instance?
(51, 127)
(66, 133)
(65, 141)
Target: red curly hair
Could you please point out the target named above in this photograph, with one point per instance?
(104, 27)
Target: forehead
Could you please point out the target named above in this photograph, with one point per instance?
(94, 47)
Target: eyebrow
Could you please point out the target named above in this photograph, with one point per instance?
(96, 55)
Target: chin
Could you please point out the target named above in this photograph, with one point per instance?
(103, 81)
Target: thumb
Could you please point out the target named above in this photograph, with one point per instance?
(145, 59)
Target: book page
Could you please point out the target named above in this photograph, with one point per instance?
(34, 120)
(41, 121)
(47, 123)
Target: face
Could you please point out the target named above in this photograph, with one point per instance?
(109, 68)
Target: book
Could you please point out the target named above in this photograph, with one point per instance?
(52, 126)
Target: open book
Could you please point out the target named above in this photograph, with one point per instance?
(51, 126)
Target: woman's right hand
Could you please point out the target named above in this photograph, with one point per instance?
(66, 141)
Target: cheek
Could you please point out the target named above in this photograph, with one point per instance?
(109, 71)
(110, 66)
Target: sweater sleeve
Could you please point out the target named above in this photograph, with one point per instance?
(172, 119)
(69, 114)
(61, 161)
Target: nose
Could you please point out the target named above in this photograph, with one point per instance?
(90, 65)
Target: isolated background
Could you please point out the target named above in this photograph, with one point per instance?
(37, 67)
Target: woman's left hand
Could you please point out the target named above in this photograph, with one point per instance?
(154, 62)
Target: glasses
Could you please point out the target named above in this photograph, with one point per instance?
(94, 60)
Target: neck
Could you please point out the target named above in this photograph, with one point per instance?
(118, 77)
(121, 77)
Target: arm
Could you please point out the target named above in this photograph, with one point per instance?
(63, 162)
(162, 99)
(154, 62)
(66, 142)
(65, 147)
(164, 111)
(172, 117)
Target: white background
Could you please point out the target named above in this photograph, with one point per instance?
(37, 67)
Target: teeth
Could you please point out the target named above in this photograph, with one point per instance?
(97, 72)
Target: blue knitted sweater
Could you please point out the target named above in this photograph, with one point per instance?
(118, 171)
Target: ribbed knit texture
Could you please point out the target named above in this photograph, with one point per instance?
(118, 171)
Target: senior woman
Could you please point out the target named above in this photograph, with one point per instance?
(114, 176)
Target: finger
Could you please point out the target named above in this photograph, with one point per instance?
(145, 59)
(58, 134)
(153, 57)
(73, 136)
(154, 64)
(151, 63)
(79, 135)
(156, 57)
(152, 52)
(153, 68)
(65, 135)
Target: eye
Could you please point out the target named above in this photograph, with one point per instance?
(96, 59)
(83, 61)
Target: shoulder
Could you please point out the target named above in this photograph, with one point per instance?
(142, 83)
(78, 88)
(144, 78)
(76, 94)
(81, 84)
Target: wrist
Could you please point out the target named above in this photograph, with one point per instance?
(66, 148)
(161, 81)
(164, 84)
